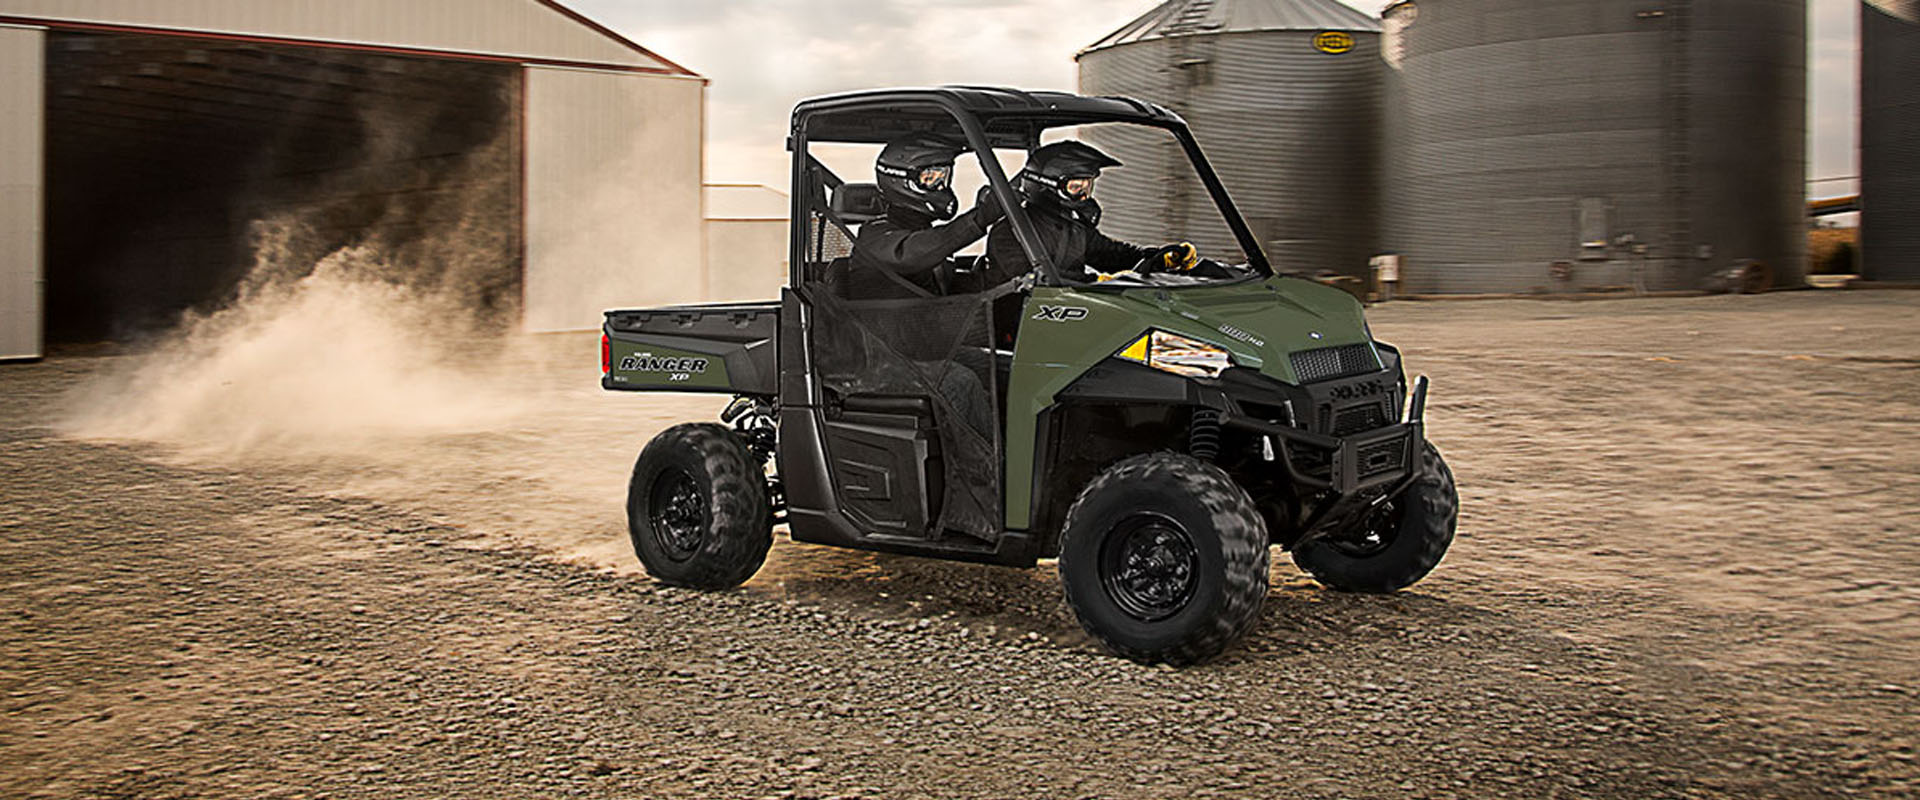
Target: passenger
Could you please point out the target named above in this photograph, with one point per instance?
(1057, 184)
(905, 255)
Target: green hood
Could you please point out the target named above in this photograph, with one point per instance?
(1260, 323)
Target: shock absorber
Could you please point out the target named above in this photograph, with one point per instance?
(752, 419)
(1203, 434)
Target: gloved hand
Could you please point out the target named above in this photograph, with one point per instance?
(988, 207)
(1177, 257)
(1103, 277)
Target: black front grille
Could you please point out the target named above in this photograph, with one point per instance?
(1377, 458)
(1328, 363)
(1358, 419)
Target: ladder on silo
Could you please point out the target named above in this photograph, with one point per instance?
(1189, 18)
(1679, 135)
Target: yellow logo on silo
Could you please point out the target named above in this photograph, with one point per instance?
(1333, 42)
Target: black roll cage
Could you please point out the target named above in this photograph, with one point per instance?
(989, 118)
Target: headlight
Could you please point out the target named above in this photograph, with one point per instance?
(1178, 355)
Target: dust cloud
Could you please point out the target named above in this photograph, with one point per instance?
(337, 358)
(371, 351)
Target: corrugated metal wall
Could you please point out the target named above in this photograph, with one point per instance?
(22, 62)
(613, 206)
(516, 28)
(1890, 140)
(1291, 129)
(1672, 136)
(1749, 135)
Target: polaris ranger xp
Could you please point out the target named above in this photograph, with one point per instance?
(1156, 433)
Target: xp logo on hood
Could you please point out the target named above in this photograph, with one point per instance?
(648, 362)
(1061, 314)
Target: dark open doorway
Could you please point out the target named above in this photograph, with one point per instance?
(164, 153)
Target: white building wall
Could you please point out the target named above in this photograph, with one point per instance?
(613, 210)
(746, 259)
(524, 29)
(22, 63)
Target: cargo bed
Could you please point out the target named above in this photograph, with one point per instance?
(724, 348)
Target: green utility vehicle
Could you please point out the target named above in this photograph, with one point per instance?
(1157, 433)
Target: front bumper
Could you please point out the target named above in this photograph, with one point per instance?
(1352, 473)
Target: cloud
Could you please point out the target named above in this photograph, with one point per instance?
(1833, 112)
(765, 55)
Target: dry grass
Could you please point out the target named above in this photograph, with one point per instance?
(1822, 245)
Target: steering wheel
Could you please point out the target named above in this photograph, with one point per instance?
(1155, 262)
(1212, 265)
(1204, 269)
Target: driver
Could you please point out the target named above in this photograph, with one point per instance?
(1058, 182)
(901, 255)
(906, 256)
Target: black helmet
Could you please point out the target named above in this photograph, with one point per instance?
(915, 174)
(1059, 177)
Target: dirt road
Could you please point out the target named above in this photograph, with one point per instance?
(1689, 543)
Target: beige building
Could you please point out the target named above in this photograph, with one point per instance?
(746, 241)
(143, 142)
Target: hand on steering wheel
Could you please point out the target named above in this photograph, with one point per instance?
(1176, 257)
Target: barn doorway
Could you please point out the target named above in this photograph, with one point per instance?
(166, 156)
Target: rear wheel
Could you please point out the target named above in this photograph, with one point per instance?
(697, 508)
(1164, 559)
(1397, 545)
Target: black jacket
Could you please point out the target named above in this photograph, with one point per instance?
(906, 249)
(1073, 245)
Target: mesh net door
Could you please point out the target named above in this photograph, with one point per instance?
(940, 349)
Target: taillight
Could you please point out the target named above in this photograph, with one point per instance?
(606, 355)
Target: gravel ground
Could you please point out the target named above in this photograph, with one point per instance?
(1685, 569)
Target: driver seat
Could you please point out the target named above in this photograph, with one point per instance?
(857, 204)
(850, 206)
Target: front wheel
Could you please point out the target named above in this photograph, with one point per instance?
(697, 508)
(1164, 559)
(1397, 545)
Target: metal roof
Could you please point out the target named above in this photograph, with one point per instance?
(1012, 117)
(539, 32)
(1908, 10)
(1196, 17)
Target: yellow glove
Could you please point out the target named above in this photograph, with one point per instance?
(1103, 277)
(1179, 257)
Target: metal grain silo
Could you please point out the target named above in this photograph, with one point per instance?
(1543, 145)
(1890, 140)
(1283, 95)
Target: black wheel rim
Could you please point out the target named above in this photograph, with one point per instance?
(1149, 566)
(678, 513)
(1372, 537)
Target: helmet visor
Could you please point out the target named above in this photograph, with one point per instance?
(1078, 188)
(934, 179)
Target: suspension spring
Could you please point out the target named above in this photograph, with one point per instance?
(753, 420)
(1203, 434)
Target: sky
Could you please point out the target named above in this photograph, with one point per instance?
(765, 55)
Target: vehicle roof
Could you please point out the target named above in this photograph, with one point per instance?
(1011, 117)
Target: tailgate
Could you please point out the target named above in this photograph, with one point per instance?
(724, 348)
